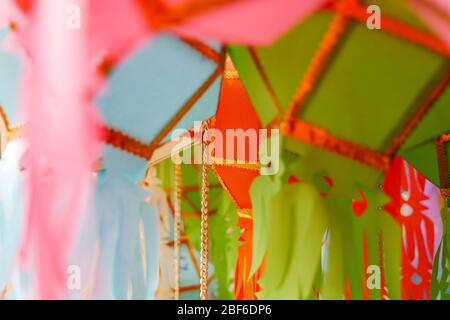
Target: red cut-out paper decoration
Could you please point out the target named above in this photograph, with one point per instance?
(406, 187)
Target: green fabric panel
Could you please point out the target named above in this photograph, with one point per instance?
(371, 86)
(297, 226)
(340, 251)
(311, 223)
(280, 250)
(392, 239)
(285, 63)
(261, 192)
(400, 10)
(190, 177)
(288, 60)
(315, 160)
(435, 123)
(224, 233)
(424, 159)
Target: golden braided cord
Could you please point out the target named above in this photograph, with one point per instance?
(177, 228)
(204, 221)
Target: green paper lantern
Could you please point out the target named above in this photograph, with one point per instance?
(348, 100)
(365, 92)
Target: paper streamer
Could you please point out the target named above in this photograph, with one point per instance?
(437, 16)
(252, 22)
(62, 140)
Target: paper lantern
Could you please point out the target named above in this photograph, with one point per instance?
(348, 103)
(358, 98)
(235, 112)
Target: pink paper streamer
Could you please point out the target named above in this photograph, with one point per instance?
(437, 22)
(443, 4)
(116, 27)
(62, 141)
(8, 12)
(251, 22)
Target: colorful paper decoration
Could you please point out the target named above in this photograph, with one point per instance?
(306, 112)
(374, 123)
(237, 179)
(406, 187)
(60, 153)
(12, 212)
(12, 174)
(342, 119)
(233, 103)
(198, 19)
(243, 22)
(187, 92)
(188, 73)
(122, 232)
(246, 285)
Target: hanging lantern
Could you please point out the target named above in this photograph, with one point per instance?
(348, 102)
(237, 171)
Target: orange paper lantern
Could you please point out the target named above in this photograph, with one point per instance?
(235, 111)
